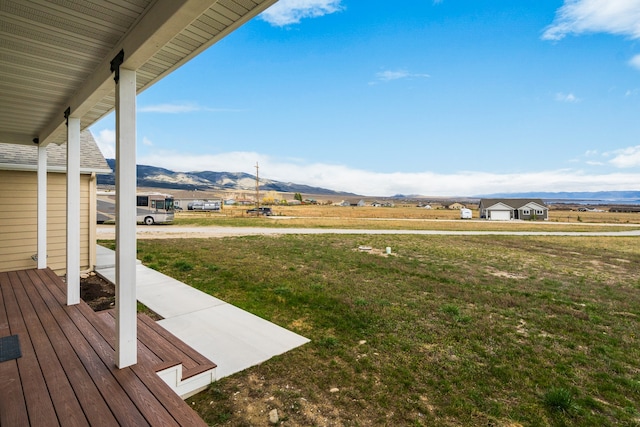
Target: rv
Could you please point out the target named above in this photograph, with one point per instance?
(154, 208)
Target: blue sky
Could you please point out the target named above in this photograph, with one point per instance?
(431, 97)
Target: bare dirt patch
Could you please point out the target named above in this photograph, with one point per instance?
(375, 251)
(100, 294)
(505, 274)
(97, 292)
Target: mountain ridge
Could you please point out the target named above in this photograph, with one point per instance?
(157, 177)
(621, 196)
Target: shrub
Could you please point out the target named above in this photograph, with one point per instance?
(182, 265)
(558, 399)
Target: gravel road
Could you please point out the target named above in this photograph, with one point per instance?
(107, 232)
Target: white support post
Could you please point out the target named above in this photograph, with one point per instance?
(126, 319)
(73, 211)
(42, 207)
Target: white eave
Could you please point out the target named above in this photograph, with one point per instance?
(56, 55)
(54, 169)
(534, 206)
(499, 207)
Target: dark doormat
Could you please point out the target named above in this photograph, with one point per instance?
(9, 348)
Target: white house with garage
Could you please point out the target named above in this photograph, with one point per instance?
(513, 209)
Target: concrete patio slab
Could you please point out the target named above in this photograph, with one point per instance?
(233, 338)
(229, 336)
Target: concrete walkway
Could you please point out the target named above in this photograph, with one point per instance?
(230, 337)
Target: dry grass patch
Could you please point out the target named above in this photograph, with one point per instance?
(405, 217)
(432, 336)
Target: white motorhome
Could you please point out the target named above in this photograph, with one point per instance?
(466, 213)
(154, 208)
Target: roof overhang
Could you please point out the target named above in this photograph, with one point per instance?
(533, 205)
(499, 207)
(54, 169)
(56, 56)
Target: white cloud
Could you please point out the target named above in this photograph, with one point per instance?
(344, 178)
(390, 75)
(146, 141)
(567, 97)
(626, 157)
(287, 12)
(106, 140)
(635, 62)
(169, 108)
(179, 108)
(620, 17)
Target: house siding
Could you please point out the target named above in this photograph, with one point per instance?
(18, 221)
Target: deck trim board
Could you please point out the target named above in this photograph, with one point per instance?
(180, 345)
(67, 374)
(165, 347)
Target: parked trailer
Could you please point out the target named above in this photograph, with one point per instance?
(466, 213)
(204, 205)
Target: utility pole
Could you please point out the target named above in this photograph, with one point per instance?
(257, 189)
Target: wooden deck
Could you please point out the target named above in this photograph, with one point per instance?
(67, 374)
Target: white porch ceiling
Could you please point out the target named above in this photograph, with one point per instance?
(55, 54)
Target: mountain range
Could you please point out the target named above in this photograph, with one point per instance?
(630, 197)
(155, 177)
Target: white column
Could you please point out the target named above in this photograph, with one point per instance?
(126, 333)
(73, 211)
(42, 207)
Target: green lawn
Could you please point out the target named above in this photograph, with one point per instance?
(448, 330)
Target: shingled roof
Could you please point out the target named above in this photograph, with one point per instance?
(513, 203)
(25, 157)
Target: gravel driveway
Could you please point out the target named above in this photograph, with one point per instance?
(107, 232)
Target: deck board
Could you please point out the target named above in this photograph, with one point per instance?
(40, 408)
(44, 336)
(89, 346)
(87, 394)
(13, 409)
(67, 374)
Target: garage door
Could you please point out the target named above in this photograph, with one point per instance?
(500, 215)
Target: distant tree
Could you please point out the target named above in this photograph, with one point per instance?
(298, 197)
(270, 198)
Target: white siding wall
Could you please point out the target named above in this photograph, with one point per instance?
(18, 221)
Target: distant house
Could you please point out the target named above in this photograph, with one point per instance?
(456, 206)
(18, 234)
(509, 209)
(360, 202)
